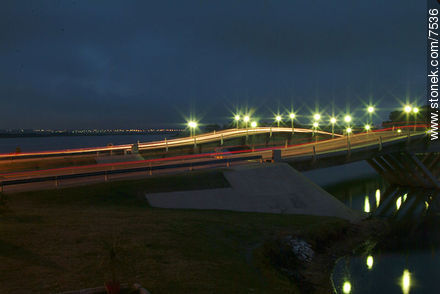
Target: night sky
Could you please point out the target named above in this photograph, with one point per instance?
(110, 64)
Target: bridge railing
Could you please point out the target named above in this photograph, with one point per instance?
(148, 169)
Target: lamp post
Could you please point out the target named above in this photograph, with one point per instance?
(192, 127)
(253, 125)
(348, 131)
(348, 119)
(415, 111)
(315, 127)
(367, 128)
(278, 119)
(292, 117)
(246, 120)
(333, 121)
(407, 110)
(237, 119)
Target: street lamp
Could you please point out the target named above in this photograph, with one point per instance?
(292, 117)
(237, 119)
(246, 120)
(367, 128)
(347, 118)
(315, 126)
(254, 124)
(407, 110)
(333, 121)
(278, 119)
(192, 127)
(370, 109)
(316, 116)
(415, 111)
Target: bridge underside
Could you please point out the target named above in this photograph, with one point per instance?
(409, 169)
(409, 162)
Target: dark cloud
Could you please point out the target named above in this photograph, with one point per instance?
(73, 64)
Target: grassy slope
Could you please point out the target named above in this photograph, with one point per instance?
(53, 241)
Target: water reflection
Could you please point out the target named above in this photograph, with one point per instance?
(367, 204)
(377, 197)
(414, 242)
(398, 203)
(370, 262)
(406, 281)
(346, 288)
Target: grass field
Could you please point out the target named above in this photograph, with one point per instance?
(58, 240)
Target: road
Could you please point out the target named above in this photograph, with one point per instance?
(177, 142)
(326, 146)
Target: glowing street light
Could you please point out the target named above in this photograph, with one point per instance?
(292, 117)
(407, 110)
(367, 127)
(415, 111)
(347, 118)
(333, 121)
(246, 120)
(370, 109)
(254, 124)
(192, 127)
(278, 119)
(237, 119)
(315, 127)
(316, 116)
(348, 130)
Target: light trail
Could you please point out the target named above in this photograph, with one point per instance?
(199, 139)
(325, 146)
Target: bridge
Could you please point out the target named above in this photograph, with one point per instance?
(219, 137)
(383, 149)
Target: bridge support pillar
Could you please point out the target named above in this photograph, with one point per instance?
(406, 169)
(276, 155)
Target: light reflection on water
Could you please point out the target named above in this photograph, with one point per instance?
(409, 260)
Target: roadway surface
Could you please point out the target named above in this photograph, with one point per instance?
(326, 146)
(177, 142)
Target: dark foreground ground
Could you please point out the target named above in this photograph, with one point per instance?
(59, 240)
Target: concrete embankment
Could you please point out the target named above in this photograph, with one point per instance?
(269, 188)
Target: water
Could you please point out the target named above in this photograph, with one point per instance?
(407, 261)
(30, 144)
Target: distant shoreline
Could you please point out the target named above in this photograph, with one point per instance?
(68, 134)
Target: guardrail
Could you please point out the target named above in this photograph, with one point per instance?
(148, 169)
